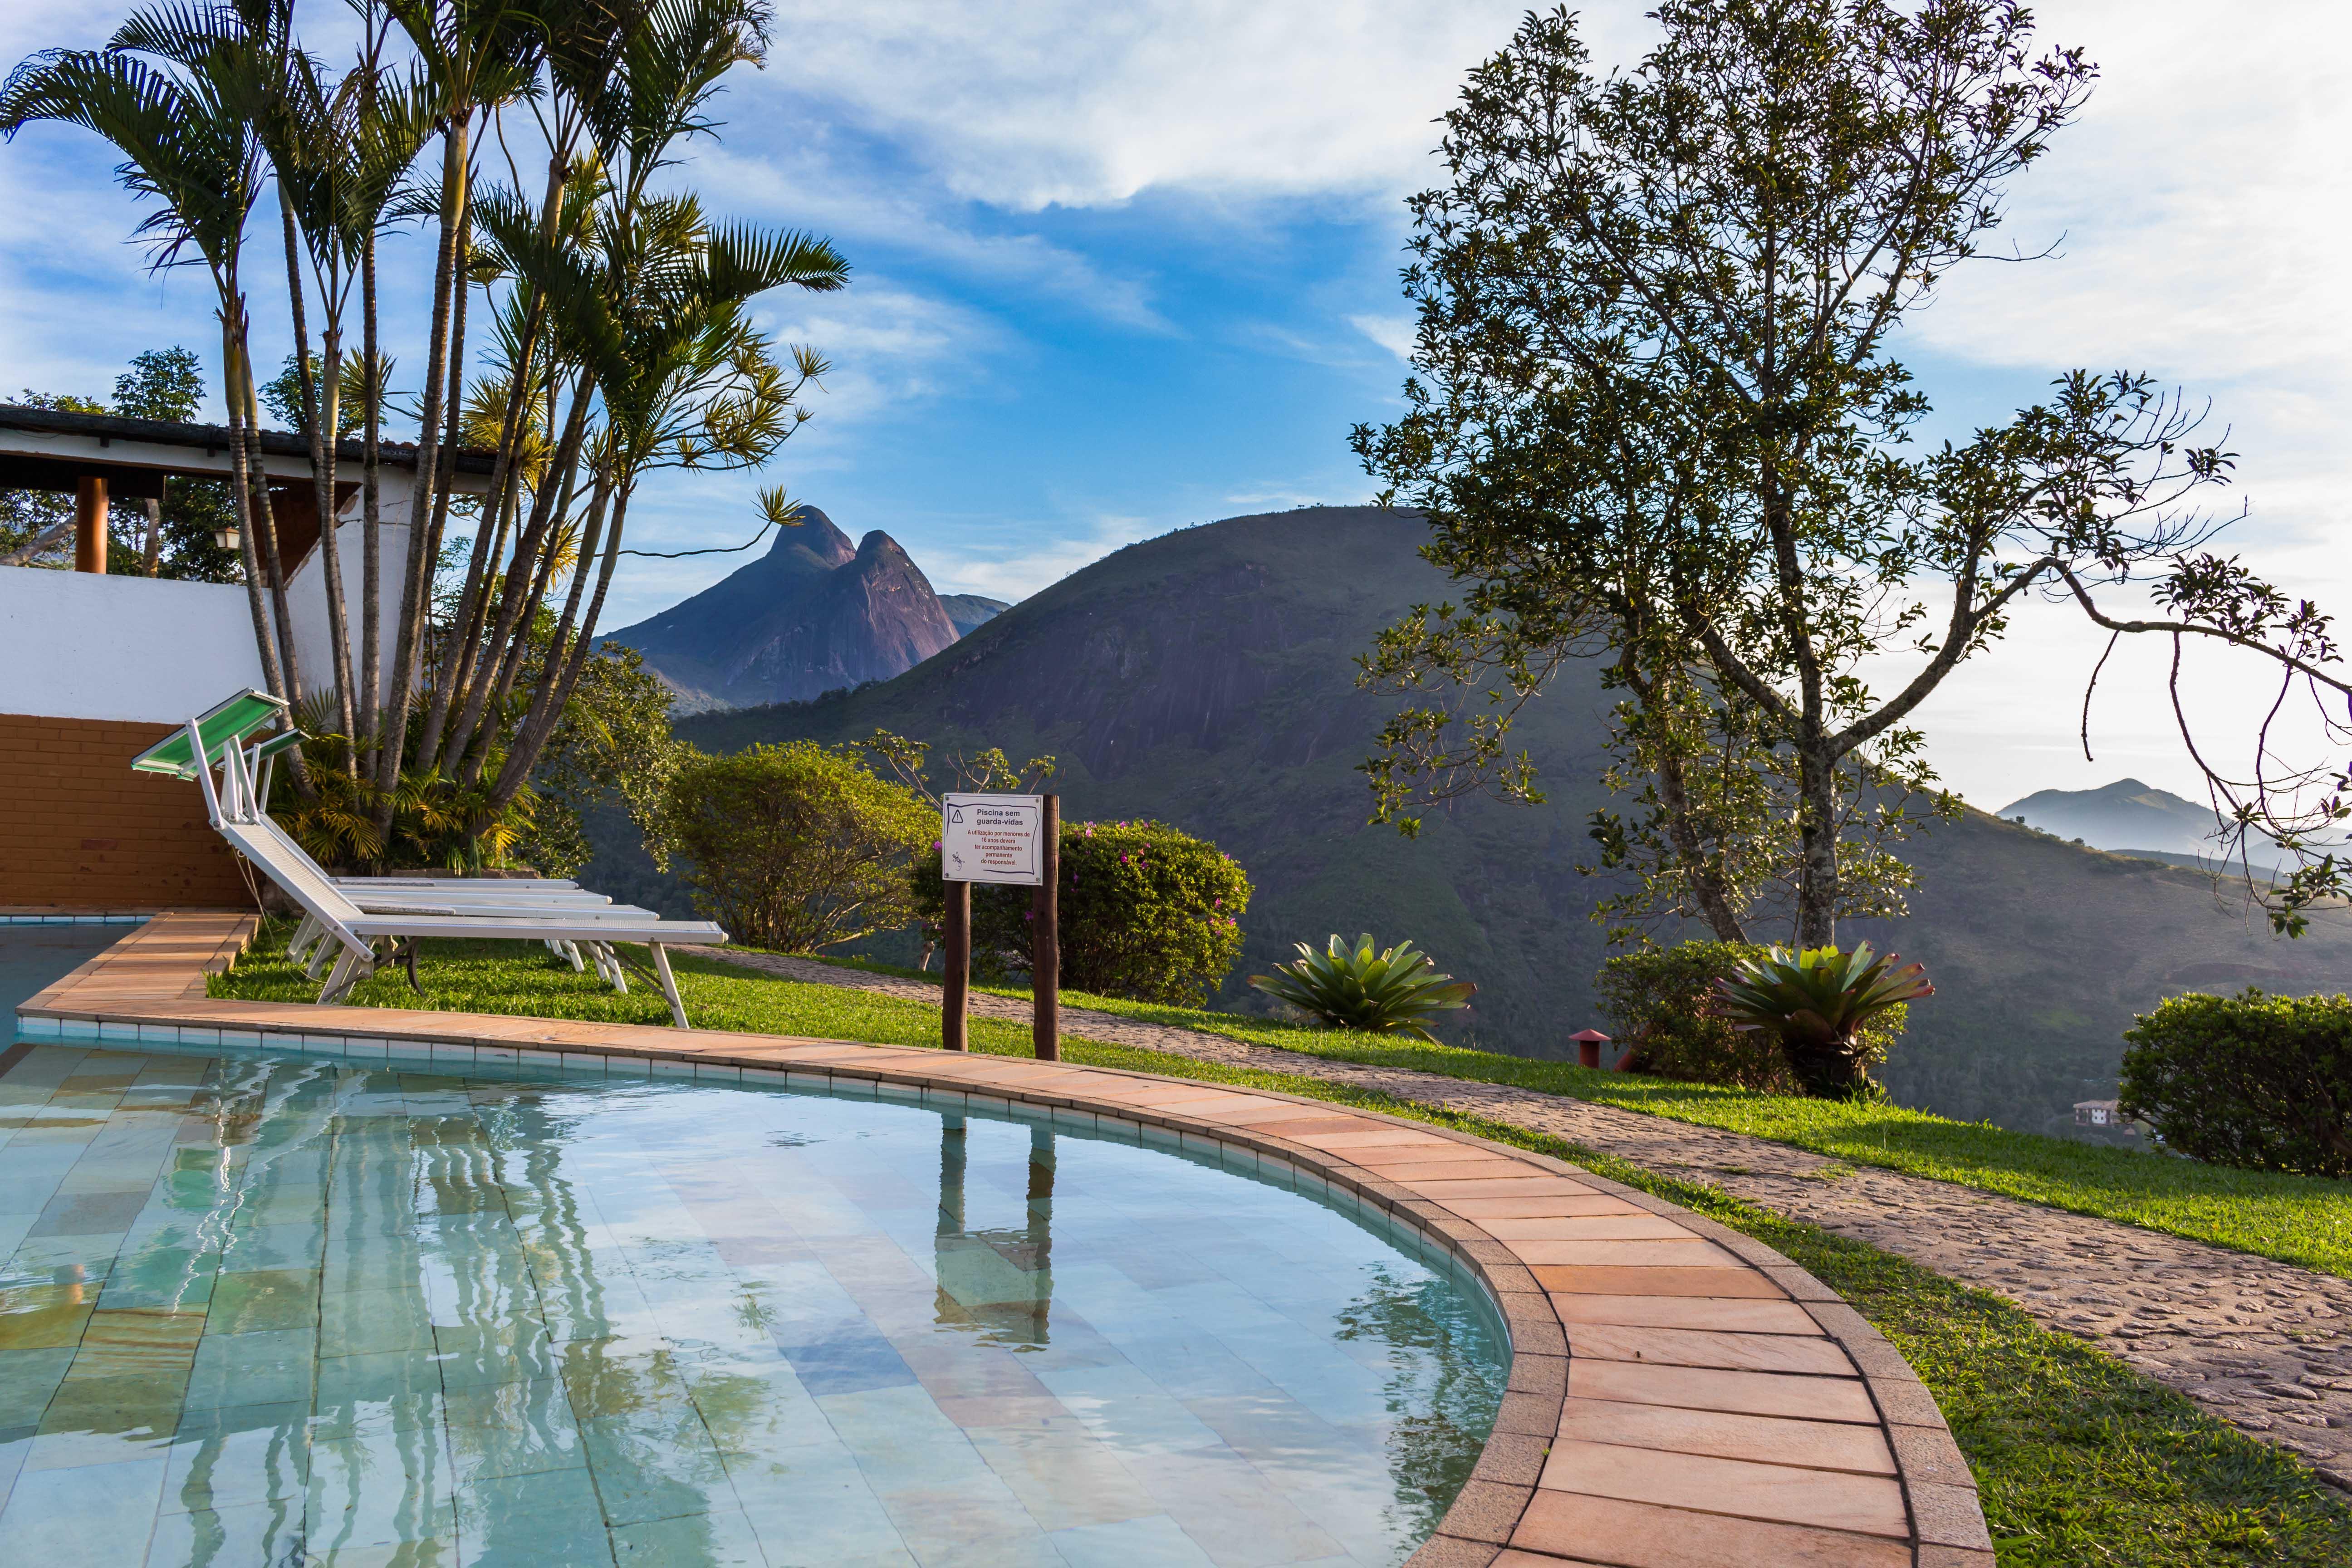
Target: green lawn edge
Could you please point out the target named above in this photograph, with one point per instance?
(2081, 1461)
(2304, 1220)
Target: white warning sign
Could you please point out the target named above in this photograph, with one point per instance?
(992, 838)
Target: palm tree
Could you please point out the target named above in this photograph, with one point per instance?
(187, 141)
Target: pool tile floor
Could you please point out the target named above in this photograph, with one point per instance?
(274, 1310)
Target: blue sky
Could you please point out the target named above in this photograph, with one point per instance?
(1120, 270)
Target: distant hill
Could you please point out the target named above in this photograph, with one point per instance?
(2124, 815)
(2133, 818)
(813, 613)
(1205, 677)
(967, 611)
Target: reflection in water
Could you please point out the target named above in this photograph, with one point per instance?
(278, 1311)
(998, 1282)
(1442, 1399)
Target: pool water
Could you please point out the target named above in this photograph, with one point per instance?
(261, 1309)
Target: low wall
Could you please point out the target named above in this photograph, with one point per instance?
(78, 644)
(80, 830)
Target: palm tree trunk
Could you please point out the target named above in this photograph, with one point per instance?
(525, 584)
(572, 654)
(416, 581)
(459, 668)
(318, 406)
(436, 712)
(371, 516)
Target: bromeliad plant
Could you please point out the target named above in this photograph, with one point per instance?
(1832, 1011)
(1395, 992)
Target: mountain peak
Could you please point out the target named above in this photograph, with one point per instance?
(813, 613)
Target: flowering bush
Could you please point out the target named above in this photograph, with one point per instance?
(1148, 911)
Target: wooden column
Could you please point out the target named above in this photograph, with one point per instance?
(955, 996)
(90, 523)
(1045, 939)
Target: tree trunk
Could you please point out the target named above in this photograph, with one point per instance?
(265, 641)
(371, 519)
(1706, 869)
(319, 406)
(525, 585)
(1817, 823)
(464, 665)
(436, 712)
(416, 581)
(151, 557)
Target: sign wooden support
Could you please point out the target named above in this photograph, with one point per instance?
(955, 996)
(1046, 938)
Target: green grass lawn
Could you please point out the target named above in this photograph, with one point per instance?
(2296, 1219)
(2082, 1462)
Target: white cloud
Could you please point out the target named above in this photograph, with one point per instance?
(1058, 552)
(1080, 104)
(1394, 334)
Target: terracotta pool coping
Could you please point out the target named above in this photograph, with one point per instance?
(1681, 1395)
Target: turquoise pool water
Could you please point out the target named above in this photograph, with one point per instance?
(267, 1309)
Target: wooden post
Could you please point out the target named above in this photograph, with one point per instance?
(955, 995)
(1045, 939)
(90, 523)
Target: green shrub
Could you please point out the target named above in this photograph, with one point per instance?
(1835, 1013)
(792, 846)
(1664, 1005)
(2255, 1080)
(1391, 992)
(1148, 911)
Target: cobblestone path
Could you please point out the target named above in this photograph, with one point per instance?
(2264, 1345)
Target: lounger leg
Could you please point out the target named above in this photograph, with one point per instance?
(318, 959)
(613, 970)
(340, 980)
(301, 937)
(571, 950)
(668, 983)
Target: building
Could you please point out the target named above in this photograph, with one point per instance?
(95, 667)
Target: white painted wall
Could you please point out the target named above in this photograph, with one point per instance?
(77, 645)
(306, 592)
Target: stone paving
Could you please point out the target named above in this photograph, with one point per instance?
(2264, 1345)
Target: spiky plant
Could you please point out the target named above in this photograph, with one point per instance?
(1391, 992)
(1822, 1004)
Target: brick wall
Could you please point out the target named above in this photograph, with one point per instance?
(78, 829)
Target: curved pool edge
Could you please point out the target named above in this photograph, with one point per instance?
(1767, 1423)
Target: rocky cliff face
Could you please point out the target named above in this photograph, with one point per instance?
(814, 613)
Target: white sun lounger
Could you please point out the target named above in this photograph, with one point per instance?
(233, 806)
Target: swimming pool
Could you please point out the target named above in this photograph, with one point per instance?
(265, 1309)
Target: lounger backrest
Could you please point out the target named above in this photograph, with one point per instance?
(225, 724)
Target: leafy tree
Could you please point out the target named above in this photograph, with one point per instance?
(1655, 404)
(36, 526)
(168, 385)
(796, 846)
(615, 738)
(175, 535)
